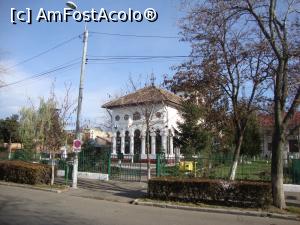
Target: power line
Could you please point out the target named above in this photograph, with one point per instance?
(99, 58)
(44, 52)
(46, 76)
(43, 74)
(137, 62)
(135, 35)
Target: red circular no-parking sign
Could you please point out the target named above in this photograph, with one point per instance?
(76, 144)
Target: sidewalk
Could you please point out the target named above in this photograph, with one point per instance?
(128, 191)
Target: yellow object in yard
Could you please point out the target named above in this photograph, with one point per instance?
(187, 166)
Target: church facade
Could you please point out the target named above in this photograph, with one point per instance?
(145, 120)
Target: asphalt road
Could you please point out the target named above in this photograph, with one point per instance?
(26, 206)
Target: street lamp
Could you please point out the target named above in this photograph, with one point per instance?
(73, 6)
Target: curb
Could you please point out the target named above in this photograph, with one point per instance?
(33, 187)
(217, 210)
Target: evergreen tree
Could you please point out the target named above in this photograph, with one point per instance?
(193, 138)
(252, 139)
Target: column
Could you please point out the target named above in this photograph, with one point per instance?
(143, 144)
(123, 142)
(171, 146)
(114, 144)
(153, 143)
(131, 144)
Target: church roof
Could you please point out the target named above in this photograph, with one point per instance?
(150, 94)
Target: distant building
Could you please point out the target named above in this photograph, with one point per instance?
(292, 146)
(102, 138)
(129, 123)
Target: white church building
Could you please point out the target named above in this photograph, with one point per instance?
(130, 115)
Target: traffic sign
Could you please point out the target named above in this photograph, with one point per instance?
(76, 145)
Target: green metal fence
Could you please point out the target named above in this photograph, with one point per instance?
(218, 167)
(96, 161)
(131, 168)
(126, 167)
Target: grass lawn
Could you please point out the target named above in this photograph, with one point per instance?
(294, 209)
(54, 186)
(255, 170)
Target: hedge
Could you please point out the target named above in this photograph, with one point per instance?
(25, 172)
(220, 192)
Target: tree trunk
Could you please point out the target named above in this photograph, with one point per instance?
(148, 156)
(236, 157)
(277, 166)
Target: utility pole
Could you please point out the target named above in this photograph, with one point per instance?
(78, 131)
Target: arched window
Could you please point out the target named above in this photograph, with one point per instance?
(137, 142)
(158, 141)
(127, 142)
(158, 115)
(136, 116)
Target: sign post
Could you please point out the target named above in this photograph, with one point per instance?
(76, 149)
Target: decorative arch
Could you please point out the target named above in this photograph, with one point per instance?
(136, 116)
(118, 140)
(137, 141)
(127, 142)
(158, 141)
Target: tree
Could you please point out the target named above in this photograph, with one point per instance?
(224, 63)
(147, 110)
(8, 131)
(193, 136)
(275, 27)
(251, 145)
(279, 24)
(43, 127)
(52, 131)
(144, 104)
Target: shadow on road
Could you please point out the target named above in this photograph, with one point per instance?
(110, 190)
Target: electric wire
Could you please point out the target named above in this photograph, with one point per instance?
(44, 52)
(137, 62)
(100, 58)
(134, 35)
(44, 74)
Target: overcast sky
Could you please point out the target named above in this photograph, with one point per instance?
(21, 41)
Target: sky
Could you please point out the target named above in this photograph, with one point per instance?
(103, 78)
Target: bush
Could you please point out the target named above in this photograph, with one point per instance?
(25, 172)
(231, 193)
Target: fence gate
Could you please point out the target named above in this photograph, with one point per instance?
(125, 167)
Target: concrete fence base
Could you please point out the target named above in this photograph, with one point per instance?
(86, 175)
(291, 188)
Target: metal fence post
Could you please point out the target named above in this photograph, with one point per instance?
(109, 164)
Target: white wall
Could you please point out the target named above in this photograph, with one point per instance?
(169, 118)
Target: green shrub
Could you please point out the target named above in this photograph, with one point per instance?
(231, 193)
(3, 149)
(25, 172)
